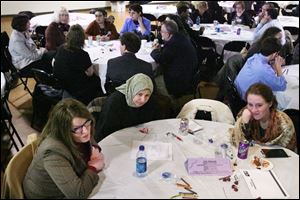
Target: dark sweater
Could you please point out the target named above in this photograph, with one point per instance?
(116, 115)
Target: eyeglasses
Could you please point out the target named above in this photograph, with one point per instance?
(79, 129)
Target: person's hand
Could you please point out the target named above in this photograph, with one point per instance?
(96, 159)
(104, 38)
(246, 116)
(279, 61)
(140, 20)
(264, 20)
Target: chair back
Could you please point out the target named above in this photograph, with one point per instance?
(209, 60)
(232, 48)
(40, 39)
(233, 99)
(15, 172)
(294, 115)
(218, 110)
(42, 77)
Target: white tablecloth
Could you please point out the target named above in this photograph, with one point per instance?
(100, 54)
(227, 34)
(289, 21)
(290, 97)
(117, 180)
(75, 18)
(158, 10)
(3, 82)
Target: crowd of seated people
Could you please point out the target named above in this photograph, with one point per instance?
(67, 143)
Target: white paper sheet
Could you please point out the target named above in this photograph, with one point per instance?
(154, 150)
(264, 184)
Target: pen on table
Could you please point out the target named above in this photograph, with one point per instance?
(96, 59)
(178, 138)
(185, 182)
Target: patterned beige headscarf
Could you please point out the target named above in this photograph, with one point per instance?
(133, 85)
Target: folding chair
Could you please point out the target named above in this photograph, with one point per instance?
(5, 55)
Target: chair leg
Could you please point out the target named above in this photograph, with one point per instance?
(10, 135)
(25, 85)
(15, 132)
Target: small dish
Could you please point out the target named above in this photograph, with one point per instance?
(261, 163)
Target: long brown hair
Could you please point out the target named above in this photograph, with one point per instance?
(59, 124)
(265, 92)
(75, 38)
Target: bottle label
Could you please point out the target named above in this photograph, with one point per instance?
(141, 165)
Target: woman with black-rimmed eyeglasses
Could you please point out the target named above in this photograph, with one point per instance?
(67, 161)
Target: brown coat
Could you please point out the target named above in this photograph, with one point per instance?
(93, 29)
(55, 35)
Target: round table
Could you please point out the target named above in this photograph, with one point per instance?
(228, 33)
(75, 18)
(101, 53)
(289, 21)
(290, 97)
(117, 180)
(158, 10)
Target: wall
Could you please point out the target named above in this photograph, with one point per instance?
(13, 7)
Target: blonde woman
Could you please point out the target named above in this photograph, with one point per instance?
(57, 30)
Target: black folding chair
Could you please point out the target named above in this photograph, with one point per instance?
(233, 46)
(153, 19)
(40, 39)
(6, 57)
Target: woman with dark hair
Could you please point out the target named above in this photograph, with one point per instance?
(131, 104)
(137, 23)
(57, 30)
(67, 159)
(74, 69)
(24, 53)
(262, 122)
(272, 32)
(102, 27)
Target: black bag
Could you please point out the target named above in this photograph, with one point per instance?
(44, 97)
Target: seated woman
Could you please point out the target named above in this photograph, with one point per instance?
(202, 12)
(239, 16)
(74, 69)
(24, 53)
(57, 30)
(137, 23)
(130, 105)
(102, 27)
(67, 159)
(262, 122)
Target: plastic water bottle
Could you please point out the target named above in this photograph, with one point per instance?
(198, 21)
(141, 162)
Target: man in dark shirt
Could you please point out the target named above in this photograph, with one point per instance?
(125, 66)
(178, 60)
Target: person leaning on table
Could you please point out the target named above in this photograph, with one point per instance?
(67, 160)
(262, 122)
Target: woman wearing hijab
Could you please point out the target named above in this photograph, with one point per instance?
(131, 104)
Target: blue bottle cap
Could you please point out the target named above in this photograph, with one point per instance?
(166, 175)
(141, 148)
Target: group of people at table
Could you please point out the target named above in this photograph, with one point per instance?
(67, 160)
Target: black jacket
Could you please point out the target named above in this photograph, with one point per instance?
(123, 67)
(116, 115)
(178, 59)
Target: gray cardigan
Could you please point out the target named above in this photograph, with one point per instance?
(23, 50)
(54, 173)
